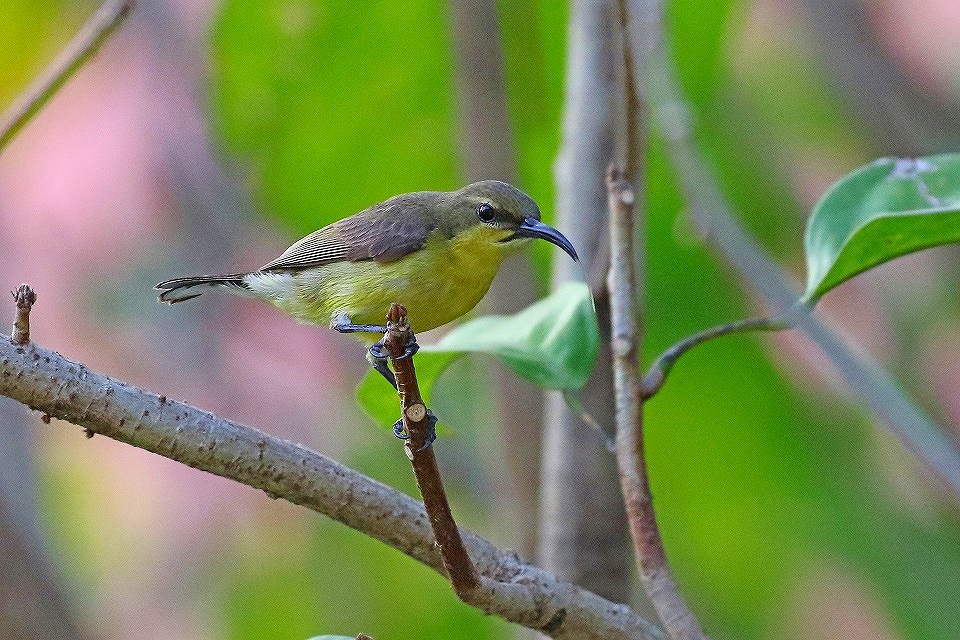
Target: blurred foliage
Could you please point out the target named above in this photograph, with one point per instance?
(335, 109)
(759, 484)
(31, 34)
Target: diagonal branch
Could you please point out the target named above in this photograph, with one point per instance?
(510, 588)
(456, 561)
(83, 46)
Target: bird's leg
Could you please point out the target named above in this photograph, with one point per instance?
(341, 322)
(401, 433)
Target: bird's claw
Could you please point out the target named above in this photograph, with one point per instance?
(410, 349)
(401, 433)
(379, 350)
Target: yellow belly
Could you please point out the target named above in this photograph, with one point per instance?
(437, 284)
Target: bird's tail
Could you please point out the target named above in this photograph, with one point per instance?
(180, 289)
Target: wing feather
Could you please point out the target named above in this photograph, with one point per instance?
(385, 232)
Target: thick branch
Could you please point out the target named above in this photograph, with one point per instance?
(456, 560)
(86, 43)
(582, 524)
(510, 588)
(631, 461)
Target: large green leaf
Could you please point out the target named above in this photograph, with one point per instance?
(881, 211)
(552, 343)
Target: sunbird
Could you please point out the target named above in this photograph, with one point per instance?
(435, 252)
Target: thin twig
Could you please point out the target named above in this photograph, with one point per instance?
(25, 298)
(655, 571)
(583, 527)
(78, 51)
(656, 376)
(456, 560)
(572, 398)
(509, 587)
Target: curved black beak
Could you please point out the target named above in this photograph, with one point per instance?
(533, 228)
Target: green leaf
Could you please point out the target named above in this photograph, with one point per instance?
(886, 209)
(552, 343)
(333, 638)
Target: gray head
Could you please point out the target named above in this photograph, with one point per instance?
(505, 212)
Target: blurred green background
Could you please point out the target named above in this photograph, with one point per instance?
(210, 135)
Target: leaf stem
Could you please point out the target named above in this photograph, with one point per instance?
(78, 51)
(575, 405)
(656, 376)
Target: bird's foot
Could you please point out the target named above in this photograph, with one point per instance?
(401, 433)
(381, 366)
(379, 351)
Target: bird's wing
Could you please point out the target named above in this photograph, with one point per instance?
(379, 233)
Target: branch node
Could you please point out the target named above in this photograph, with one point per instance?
(25, 297)
(416, 412)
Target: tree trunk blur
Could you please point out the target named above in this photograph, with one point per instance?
(904, 119)
(583, 525)
(31, 602)
(488, 152)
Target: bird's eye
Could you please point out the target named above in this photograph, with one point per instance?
(485, 212)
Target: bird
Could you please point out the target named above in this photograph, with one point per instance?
(434, 252)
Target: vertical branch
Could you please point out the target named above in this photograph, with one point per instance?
(583, 526)
(463, 575)
(652, 562)
(486, 136)
(626, 335)
(83, 46)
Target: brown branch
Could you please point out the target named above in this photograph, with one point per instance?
(25, 298)
(625, 281)
(456, 560)
(648, 545)
(509, 587)
(83, 46)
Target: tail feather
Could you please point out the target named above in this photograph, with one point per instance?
(181, 289)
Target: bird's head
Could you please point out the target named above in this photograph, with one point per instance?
(496, 212)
